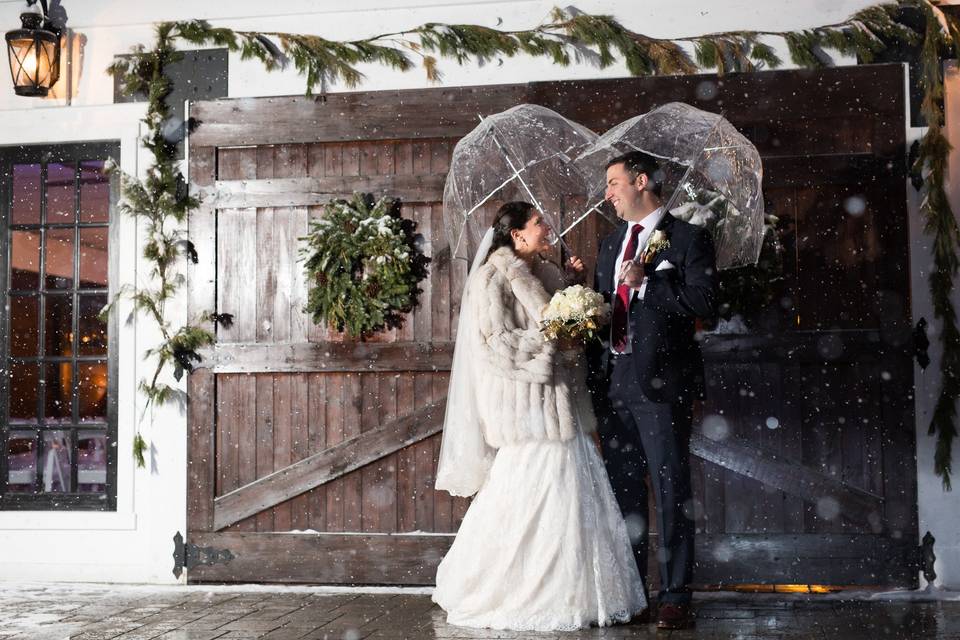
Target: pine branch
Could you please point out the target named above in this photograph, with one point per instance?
(941, 224)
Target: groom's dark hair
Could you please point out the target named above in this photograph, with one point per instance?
(637, 162)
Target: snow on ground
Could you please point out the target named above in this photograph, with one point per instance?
(13, 589)
(8, 589)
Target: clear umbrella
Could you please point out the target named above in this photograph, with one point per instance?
(711, 173)
(524, 153)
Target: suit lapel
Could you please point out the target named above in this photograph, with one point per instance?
(666, 222)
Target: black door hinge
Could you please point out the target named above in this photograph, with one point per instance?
(927, 557)
(187, 555)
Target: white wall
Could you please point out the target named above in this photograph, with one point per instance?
(939, 511)
(135, 543)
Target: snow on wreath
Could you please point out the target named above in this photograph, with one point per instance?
(364, 263)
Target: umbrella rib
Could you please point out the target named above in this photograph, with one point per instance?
(536, 202)
(516, 174)
(595, 207)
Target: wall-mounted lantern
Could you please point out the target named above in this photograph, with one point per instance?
(34, 52)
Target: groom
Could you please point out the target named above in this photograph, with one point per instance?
(659, 274)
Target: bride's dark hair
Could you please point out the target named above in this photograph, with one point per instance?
(512, 215)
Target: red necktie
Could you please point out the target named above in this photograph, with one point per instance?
(622, 301)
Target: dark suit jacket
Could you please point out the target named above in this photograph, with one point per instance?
(666, 353)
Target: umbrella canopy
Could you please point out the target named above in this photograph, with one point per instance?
(524, 153)
(711, 173)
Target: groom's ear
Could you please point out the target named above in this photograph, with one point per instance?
(641, 182)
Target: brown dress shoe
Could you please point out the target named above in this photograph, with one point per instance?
(674, 616)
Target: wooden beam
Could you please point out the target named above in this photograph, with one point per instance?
(790, 477)
(812, 558)
(238, 357)
(299, 192)
(724, 559)
(328, 356)
(445, 112)
(451, 112)
(322, 558)
(328, 465)
(804, 347)
(810, 171)
(201, 387)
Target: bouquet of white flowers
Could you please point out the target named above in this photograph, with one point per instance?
(574, 312)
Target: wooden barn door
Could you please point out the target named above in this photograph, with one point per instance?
(312, 456)
(804, 468)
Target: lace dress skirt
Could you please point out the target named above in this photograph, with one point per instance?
(543, 545)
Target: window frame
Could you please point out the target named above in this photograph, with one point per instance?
(72, 153)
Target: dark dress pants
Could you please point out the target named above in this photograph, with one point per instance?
(637, 437)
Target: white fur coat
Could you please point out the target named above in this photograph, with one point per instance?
(528, 390)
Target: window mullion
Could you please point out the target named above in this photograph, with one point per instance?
(42, 320)
(74, 338)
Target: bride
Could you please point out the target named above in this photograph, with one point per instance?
(543, 546)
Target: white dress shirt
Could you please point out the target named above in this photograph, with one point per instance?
(649, 223)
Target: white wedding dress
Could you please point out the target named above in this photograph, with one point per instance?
(543, 546)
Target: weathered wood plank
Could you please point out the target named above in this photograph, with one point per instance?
(267, 279)
(227, 450)
(246, 429)
(236, 270)
(452, 111)
(868, 560)
(387, 467)
(369, 419)
(826, 559)
(299, 446)
(317, 428)
(423, 458)
(352, 482)
(323, 558)
(836, 347)
(264, 453)
(334, 434)
(282, 449)
(786, 476)
(351, 116)
(442, 501)
(329, 356)
(201, 432)
(303, 192)
(406, 460)
(201, 386)
(331, 463)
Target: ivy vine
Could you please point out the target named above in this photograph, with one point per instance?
(567, 36)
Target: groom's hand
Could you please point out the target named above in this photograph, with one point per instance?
(575, 269)
(631, 274)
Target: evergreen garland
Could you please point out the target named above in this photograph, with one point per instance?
(363, 264)
(568, 36)
(162, 201)
(941, 40)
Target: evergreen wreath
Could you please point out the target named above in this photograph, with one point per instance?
(365, 263)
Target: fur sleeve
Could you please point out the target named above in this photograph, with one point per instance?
(516, 352)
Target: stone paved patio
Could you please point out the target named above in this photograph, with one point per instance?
(103, 612)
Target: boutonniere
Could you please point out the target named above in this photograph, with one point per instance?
(658, 242)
